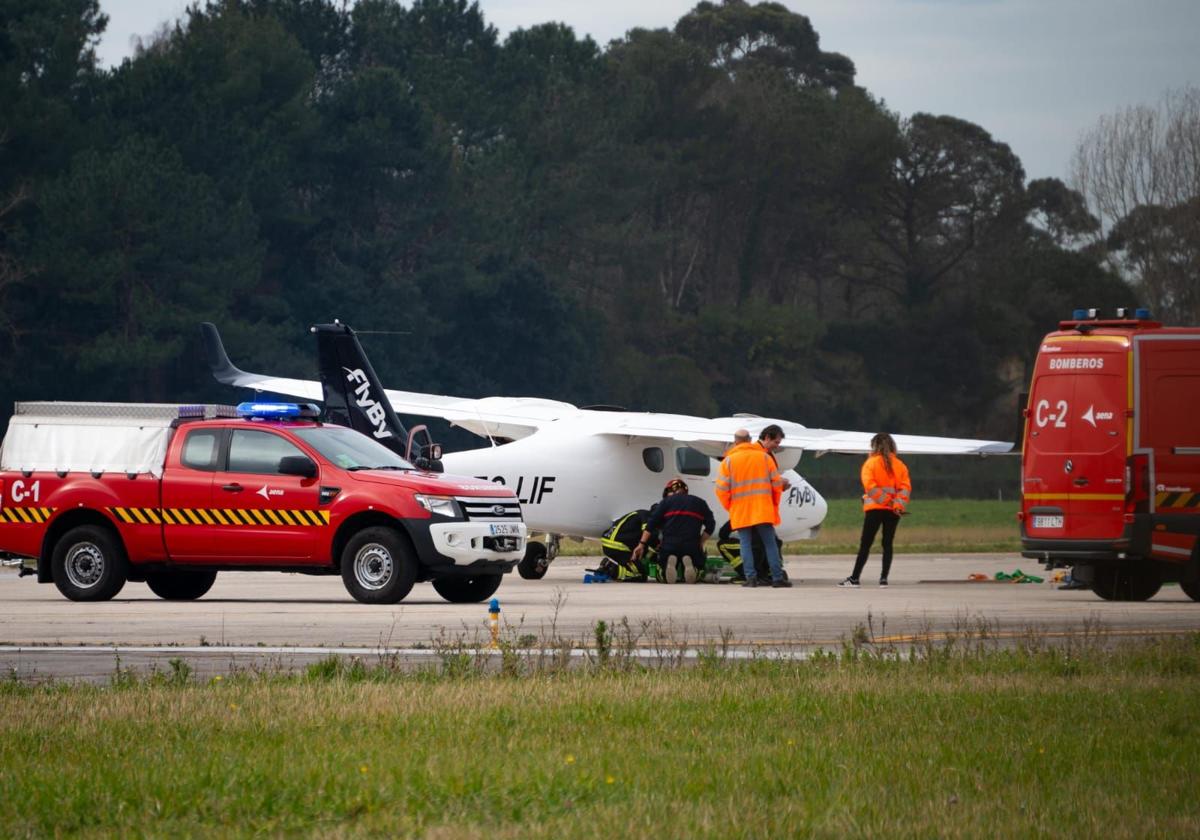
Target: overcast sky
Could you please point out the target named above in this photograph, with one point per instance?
(1034, 73)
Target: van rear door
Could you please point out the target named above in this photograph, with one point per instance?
(1097, 426)
(1046, 487)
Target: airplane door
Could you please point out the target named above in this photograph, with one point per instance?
(267, 511)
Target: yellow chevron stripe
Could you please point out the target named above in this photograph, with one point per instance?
(203, 514)
(271, 515)
(259, 515)
(191, 515)
(215, 513)
(139, 516)
(285, 516)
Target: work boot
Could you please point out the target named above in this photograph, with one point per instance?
(751, 583)
(690, 573)
(780, 583)
(883, 582)
(671, 572)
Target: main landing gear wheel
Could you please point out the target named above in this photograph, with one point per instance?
(464, 590)
(535, 563)
(89, 564)
(378, 566)
(180, 584)
(1123, 583)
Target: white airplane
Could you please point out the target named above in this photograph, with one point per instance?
(574, 469)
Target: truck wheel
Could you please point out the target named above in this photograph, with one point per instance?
(180, 584)
(463, 590)
(1122, 583)
(378, 567)
(1191, 589)
(534, 564)
(89, 564)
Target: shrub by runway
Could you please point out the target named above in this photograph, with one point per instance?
(948, 741)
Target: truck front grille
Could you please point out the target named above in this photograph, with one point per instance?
(490, 510)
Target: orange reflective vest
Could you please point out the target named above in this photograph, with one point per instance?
(884, 491)
(749, 486)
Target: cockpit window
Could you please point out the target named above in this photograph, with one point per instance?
(691, 462)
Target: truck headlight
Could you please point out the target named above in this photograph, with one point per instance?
(441, 505)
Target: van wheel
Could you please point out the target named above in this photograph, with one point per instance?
(1191, 589)
(1122, 583)
(89, 564)
(464, 590)
(534, 564)
(180, 584)
(378, 566)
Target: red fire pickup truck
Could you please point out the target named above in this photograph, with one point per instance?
(103, 493)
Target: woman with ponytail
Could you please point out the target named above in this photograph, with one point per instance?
(886, 491)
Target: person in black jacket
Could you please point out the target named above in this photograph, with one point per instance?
(686, 522)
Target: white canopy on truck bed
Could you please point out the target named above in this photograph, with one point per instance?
(93, 437)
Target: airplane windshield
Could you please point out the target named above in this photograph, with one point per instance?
(351, 450)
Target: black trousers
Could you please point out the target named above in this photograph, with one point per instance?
(872, 521)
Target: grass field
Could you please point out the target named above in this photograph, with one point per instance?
(951, 525)
(954, 742)
(931, 525)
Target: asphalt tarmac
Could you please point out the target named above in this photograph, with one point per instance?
(274, 620)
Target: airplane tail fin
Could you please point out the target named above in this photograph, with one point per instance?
(225, 371)
(354, 396)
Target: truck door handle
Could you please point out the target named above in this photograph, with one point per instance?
(232, 488)
(1081, 482)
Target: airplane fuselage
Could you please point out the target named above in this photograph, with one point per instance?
(575, 483)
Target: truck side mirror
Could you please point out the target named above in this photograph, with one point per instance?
(300, 465)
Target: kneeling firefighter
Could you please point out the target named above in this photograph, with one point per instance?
(686, 522)
(618, 542)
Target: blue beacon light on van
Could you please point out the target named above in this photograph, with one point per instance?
(275, 410)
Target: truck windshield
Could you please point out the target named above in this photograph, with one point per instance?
(351, 450)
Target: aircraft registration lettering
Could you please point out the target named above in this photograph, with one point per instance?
(539, 488)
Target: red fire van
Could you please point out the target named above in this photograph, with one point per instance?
(1111, 454)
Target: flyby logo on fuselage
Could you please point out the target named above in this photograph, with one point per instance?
(364, 400)
(799, 497)
(541, 486)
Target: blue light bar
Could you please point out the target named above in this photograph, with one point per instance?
(268, 409)
(1078, 314)
(1142, 314)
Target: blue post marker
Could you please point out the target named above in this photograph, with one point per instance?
(494, 621)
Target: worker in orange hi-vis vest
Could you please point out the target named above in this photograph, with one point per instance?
(886, 492)
(749, 486)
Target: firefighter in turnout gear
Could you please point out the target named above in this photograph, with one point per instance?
(618, 543)
(687, 523)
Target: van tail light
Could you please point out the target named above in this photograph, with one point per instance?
(1137, 484)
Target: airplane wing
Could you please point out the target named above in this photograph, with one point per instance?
(712, 436)
(518, 417)
(506, 417)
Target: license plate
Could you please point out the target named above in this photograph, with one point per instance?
(1047, 522)
(506, 530)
